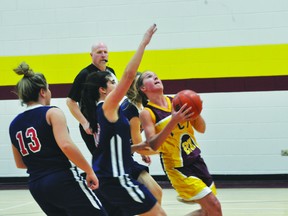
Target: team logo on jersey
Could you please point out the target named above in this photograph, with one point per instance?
(188, 144)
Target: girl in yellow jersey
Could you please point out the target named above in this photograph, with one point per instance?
(179, 151)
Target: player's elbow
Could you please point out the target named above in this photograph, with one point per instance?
(153, 146)
(65, 146)
(202, 129)
(68, 102)
(199, 125)
(21, 165)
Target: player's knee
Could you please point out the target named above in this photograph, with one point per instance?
(158, 194)
(157, 210)
(159, 191)
(212, 206)
(216, 205)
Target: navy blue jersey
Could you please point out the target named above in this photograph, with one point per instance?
(115, 166)
(129, 109)
(113, 155)
(34, 139)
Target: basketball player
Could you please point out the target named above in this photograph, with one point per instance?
(131, 107)
(42, 145)
(179, 151)
(112, 160)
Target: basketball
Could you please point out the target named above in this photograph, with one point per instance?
(191, 98)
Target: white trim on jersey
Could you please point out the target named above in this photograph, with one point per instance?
(88, 192)
(116, 156)
(132, 189)
(119, 171)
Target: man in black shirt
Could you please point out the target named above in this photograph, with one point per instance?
(99, 55)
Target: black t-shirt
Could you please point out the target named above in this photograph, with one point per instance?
(77, 86)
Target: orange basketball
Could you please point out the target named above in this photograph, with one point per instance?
(191, 98)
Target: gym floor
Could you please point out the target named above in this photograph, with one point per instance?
(248, 201)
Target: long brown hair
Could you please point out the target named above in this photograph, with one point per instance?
(91, 95)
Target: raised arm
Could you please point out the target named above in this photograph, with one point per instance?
(112, 101)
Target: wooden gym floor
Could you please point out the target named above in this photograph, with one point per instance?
(241, 201)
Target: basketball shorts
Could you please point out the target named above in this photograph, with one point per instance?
(65, 193)
(193, 181)
(126, 193)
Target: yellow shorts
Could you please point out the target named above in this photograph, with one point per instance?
(189, 188)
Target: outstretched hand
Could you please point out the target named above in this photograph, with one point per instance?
(183, 114)
(148, 35)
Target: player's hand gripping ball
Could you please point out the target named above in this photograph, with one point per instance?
(191, 98)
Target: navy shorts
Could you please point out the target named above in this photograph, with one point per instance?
(127, 194)
(137, 168)
(65, 193)
(111, 210)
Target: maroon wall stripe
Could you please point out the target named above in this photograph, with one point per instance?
(238, 84)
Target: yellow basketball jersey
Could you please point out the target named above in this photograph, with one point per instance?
(180, 156)
(180, 148)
